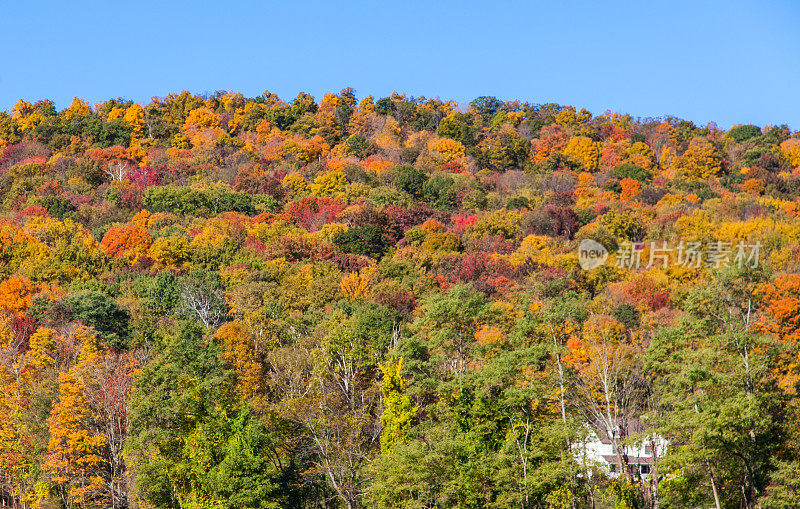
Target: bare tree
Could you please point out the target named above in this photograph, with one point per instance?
(116, 171)
(108, 390)
(335, 403)
(610, 382)
(204, 303)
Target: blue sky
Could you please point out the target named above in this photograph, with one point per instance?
(725, 61)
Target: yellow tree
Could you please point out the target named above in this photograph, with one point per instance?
(328, 183)
(26, 116)
(447, 150)
(202, 125)
(640, 154)
(326, 124)
(356, 286)
(171, 252)
(398, 409)
(134, 116)
(700, 160)
(388, 138)
(567, 116)
(201, 118)
(585, 151)
(76, 453)
(305, 150)
(14, 464)
(37, 359)
(790, 149)
(23, 379)
(362, 119)
(78, 108)
(238, 351)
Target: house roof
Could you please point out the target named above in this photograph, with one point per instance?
(631, 426)
(632, 460)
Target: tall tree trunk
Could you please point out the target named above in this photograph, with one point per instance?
(713, 486)
(562, 395)
(654, 474)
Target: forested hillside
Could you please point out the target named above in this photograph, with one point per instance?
(229, 302)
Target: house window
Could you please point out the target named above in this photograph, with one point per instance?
(648, 450)
(644, 469)
(612, 467)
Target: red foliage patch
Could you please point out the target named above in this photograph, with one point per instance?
(312, 213)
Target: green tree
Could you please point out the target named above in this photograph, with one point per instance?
(448, 323)
(187, 434)
(411, 180)
(365, 240)
(98, 310)
(722, 411)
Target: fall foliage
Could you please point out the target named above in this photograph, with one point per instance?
(212, 301)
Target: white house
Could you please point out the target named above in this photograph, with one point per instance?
(639, 449)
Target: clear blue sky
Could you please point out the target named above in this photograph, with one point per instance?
(725, 61)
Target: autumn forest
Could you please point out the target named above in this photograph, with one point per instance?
(222, 301)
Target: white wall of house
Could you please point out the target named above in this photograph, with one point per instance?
(640, 455)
